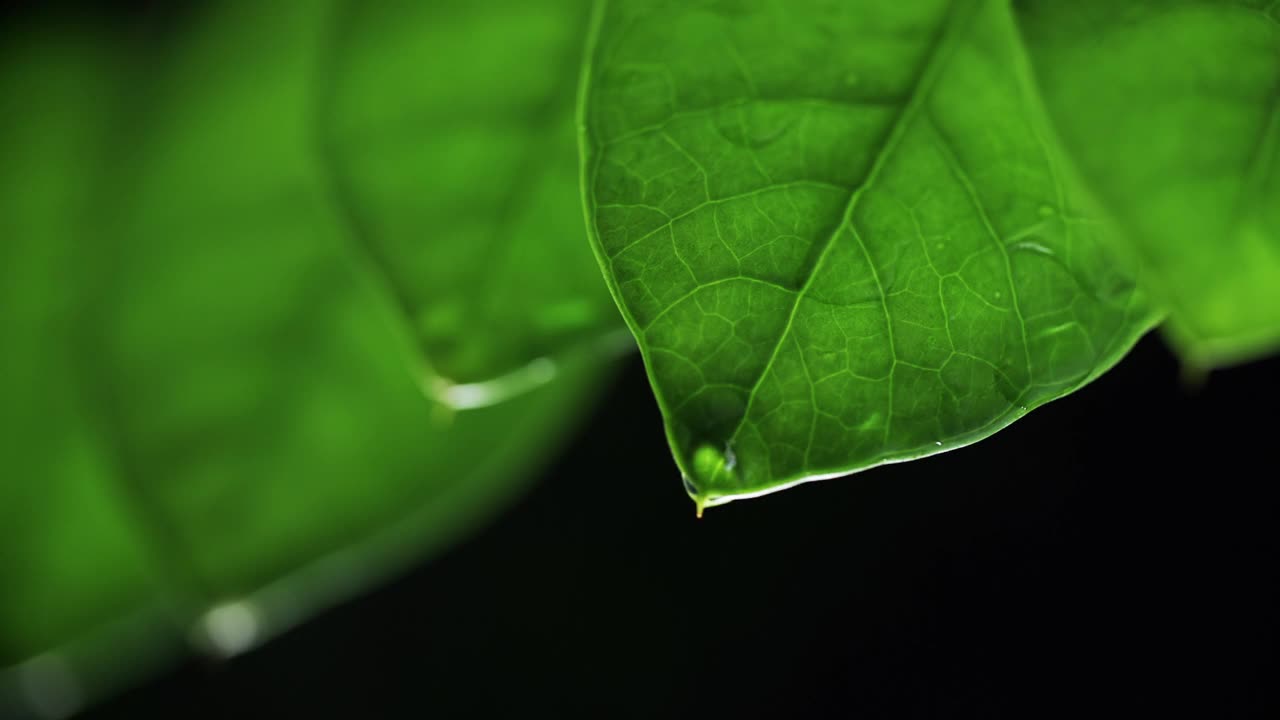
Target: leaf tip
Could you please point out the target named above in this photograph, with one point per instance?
(700, 499)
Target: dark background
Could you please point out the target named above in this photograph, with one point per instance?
(1113, 552)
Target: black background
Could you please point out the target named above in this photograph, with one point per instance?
(1112, 552)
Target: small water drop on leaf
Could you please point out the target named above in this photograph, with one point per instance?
(713, 468)
(230, 629)
(1031, 244)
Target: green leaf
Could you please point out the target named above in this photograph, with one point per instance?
(1172, 113)
(230, 270)
(840, 231)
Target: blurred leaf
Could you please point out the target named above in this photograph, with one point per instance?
(237, 249)
(840, 233)
(506, 255)
(1172, 113)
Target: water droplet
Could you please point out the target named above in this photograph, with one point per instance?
(938, 443)
(1057, 329)
(1030, 245)
(1047, 211)
(231, 628)
(714, 467)
(998, 295)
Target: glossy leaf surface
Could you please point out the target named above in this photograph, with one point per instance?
(841, 232)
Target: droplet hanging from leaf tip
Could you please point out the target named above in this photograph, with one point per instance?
(712, 471)
(699, 500)
(714, 467)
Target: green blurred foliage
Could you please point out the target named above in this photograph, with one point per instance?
(1172, 113)
(291, 295)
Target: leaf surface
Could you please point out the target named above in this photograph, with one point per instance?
(840, 231)
(1171, 110)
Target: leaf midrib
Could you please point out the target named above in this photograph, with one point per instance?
(958, 16)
